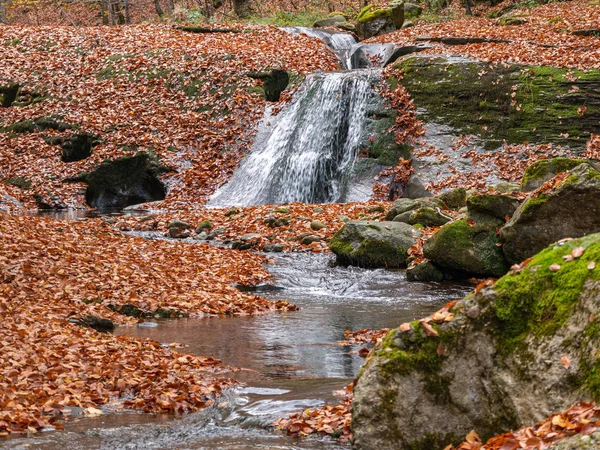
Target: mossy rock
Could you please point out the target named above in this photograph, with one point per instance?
(454, 198)
(373, 244)
(545, 107)
(42, 123)
(505, 187)
(275, 82)
(205, 225)
(427, 217)
(469, 245)
(407, 204)
(497, 365)
(496, 205)
(541, 171)
(372, 21)
(425, 272)
(330, 21)
(383, 146)
(570, 210)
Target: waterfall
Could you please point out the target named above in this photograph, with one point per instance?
(342, 44)
(311, 149)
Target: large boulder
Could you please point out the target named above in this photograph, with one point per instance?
(570, 210)
(506, 356)
(329, 21)
(468, 245)
(373, 244)
(427, 217)
(496, 205)
(541, 171)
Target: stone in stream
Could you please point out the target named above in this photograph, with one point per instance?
(468, 245)
(427, 217)
(274, 248)
(205, 225)
(316, 225)
(275, 82)
(454, 198)
(511, 355)
(570, 210)
(97, 323)
(373, 244)
(425, 272)
(406, 204)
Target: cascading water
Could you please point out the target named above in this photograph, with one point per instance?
(308, 153)
(312, 148)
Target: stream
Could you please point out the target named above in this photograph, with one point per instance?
(290, 361)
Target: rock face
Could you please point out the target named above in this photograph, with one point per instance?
(78, 146)
(373, 22)
(580, 442)
(570, 210)
(493, 366)
(275, 82)
(541, 171)
(373, 244)
(468, 245)
(498, 206)
(123, 182)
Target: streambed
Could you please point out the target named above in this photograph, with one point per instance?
(290, 361)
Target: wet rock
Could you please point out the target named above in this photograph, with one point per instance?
(275, 82)
(8, 202)
(250, 237)
(406, 204)
(310, 239)
(98, 323)
(506, 188)
(329, 22)
(274, 222)
(373, 22)
(570, 210)
(274, 248)
(406, 49)
(580, 441)
(373, 244)
(123, 182)
(179, 224)
(316, 225)
(511, 20)
(318, 210)
(541, 171)
(468, 245)
(425, 272)
(375, 208)
(427, 217)
(454, 198)
(498, 206)
(216, 232)
(9, 94)
(412, 10)
(202, 236)
(586, 32)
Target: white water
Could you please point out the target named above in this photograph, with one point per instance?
(342, 44)
(311, 150)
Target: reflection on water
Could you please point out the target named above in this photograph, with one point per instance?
(290, 360)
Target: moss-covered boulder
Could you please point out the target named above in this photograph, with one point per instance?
(541, 171)
(468, 245)
(427, 217)
(373, 244)
(498, 206)
(331, 21)
(372, 21)
(407, 204)
(570, 210)
(546, 106)
(506, 356)
(454, 198)
(426, 272)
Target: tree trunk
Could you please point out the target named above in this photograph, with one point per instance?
(468, 8)
(127, 13)
(159, 10)
(242, 8)
(2, 12)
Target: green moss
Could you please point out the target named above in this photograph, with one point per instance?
(546, 168)
(533, 204)
(20, 182)
(539, 301)
(368, 13)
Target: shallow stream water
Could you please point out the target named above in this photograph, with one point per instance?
(289, 361)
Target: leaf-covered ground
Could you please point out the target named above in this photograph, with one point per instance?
(55, 273)
(184, 97)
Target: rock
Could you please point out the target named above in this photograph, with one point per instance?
(78, 146)
(344, 219)
(415, 188)
(9, 203)
(468, 245)
(274, 222)
(205, 225)
(498, 206)
(179, 224)
(202, 236)
(506, 188)
(373, 244)
(274, 83)
(307, 240)
(450, 91)
(177, 233)
(250, 237)
(498, 365)
(273, 248)
(406, 49)
(316, 225)
(373, 22)
(406, 204)
(427, 217)
(426, 271)
(301, 236)
(541, 171)
(97, 323)
(454, 198)
(511, 20)
(570, 210)
(579, 441)
(329, 22)
(347, 26)
(214, 233)
(318, 210)
(376, 208)
(408, 24)
(586, 32)
(124, 181)
(412, 10)
(398, 13)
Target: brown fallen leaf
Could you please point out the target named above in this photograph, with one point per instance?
(440, 350)
(405, 327)
(554, 268)
(565, 361)
(473, 438)
(591, 265)
(577, 252)
(429, 330)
